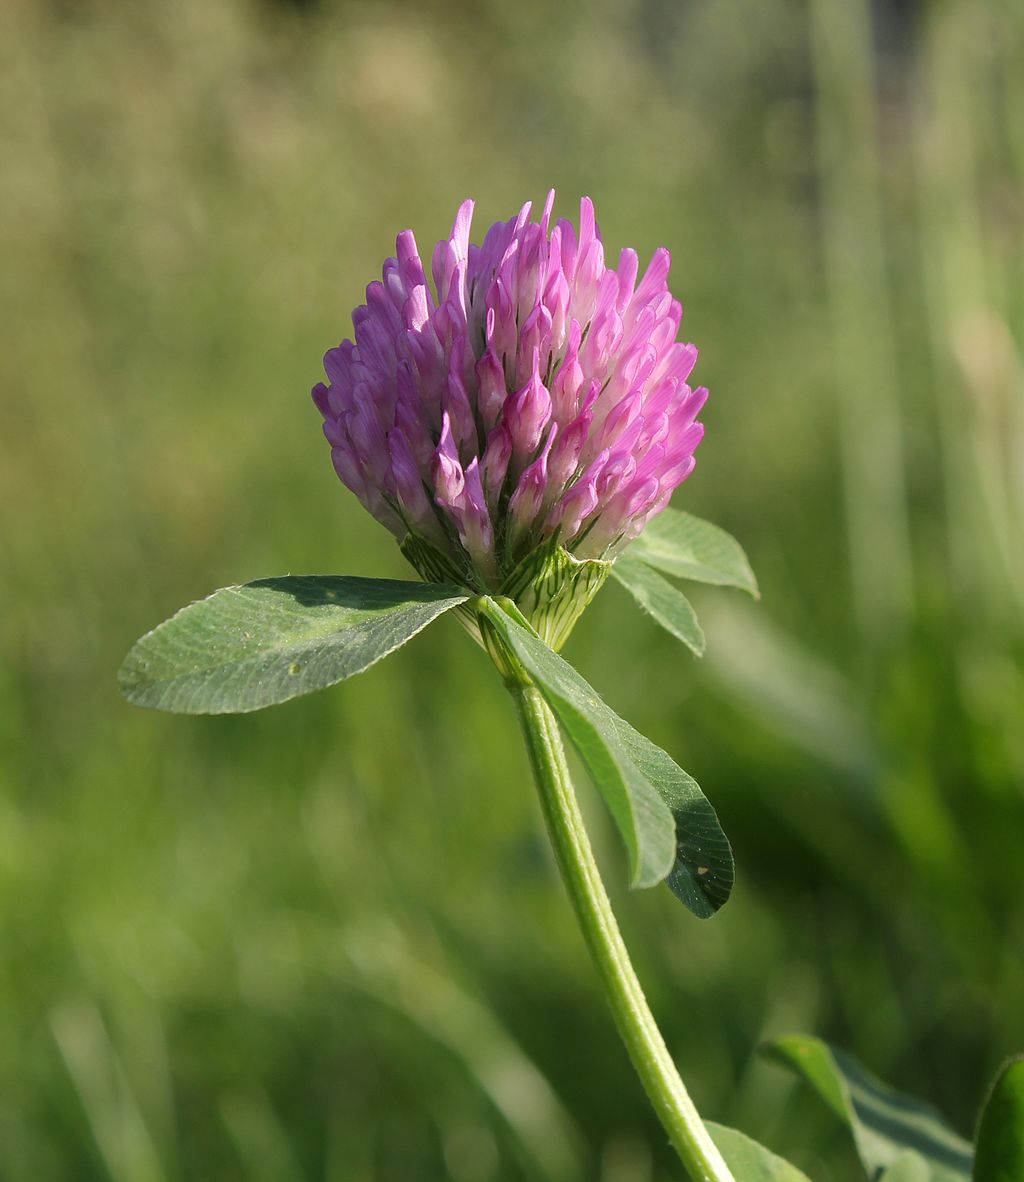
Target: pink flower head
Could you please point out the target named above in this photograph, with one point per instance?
(525, 394)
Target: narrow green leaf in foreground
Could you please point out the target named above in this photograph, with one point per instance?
(666, 604)
(265, 642)
(669, 827)
(1000, 1149)
(910, 1166)
(749, 1160)
(688, 547)
(885, 1124)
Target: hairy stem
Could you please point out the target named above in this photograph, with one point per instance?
(632, 1014)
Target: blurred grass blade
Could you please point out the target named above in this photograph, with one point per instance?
(1000, 1148)
(884, 1123)
(667, 604)
(260, 1138)
(969, 277)
(864, 348)
(252, 646)
(749, 1161)
(111, 1109)
(376, 958)
(668, 825)
(688, 547)
(790, 688)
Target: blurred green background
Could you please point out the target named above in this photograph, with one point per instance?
(327, 942)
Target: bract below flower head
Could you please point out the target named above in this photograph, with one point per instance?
(518, 420)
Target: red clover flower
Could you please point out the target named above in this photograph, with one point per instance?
(516, 424)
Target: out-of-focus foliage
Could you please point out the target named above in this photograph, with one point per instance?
(327, 942)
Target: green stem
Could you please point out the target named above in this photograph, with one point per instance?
(632, 1014)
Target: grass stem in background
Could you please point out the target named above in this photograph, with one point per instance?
(864, 350)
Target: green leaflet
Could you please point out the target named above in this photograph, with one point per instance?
(1000, 1149)
(668, 826)
(892, 1132)
(748, 1160)
(910, 1166)
(252, 646)
(688, 547)
(656, 595)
